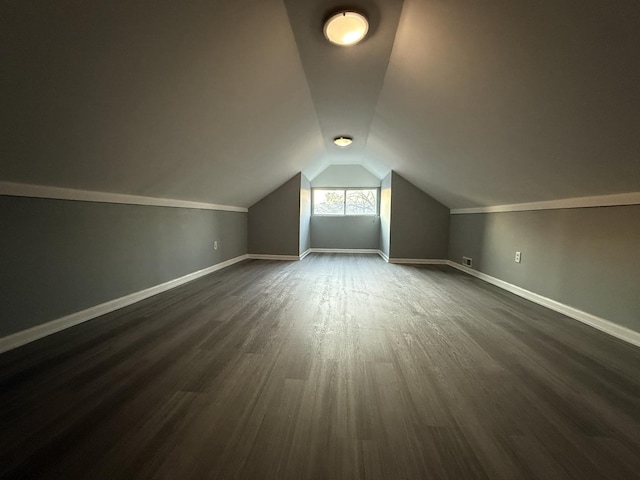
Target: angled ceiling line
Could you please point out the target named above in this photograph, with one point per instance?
(384, 80)
(345, 82)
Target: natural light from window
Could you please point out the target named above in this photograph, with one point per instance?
(340, 201)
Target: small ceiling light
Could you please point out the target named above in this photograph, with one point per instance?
(343, 141)
(346, 28)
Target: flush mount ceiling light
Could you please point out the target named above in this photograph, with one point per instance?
(343, 141)
(346, 28)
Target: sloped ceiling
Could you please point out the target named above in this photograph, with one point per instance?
(195, 100)
(477, 103)
(503, 102)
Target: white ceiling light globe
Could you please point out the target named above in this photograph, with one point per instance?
(346, 28)
(343, 141)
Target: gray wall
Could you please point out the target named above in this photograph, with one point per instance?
(345, 232)
(346, 176)
(385, 214)
(274, 221)
(419, 224)
(58, 257)
(588, 258)
(305, 215)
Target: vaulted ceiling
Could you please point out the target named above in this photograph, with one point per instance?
(477, 103)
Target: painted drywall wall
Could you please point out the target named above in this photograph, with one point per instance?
(419, 223)
(385, 214)
(345, 232)
(58, 257)
(587, 258)
(344, 176)
(305, 214)
(274, 221)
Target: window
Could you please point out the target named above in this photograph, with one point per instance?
(361, 202)
(340, 201)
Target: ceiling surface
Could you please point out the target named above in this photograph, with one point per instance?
(477, 103)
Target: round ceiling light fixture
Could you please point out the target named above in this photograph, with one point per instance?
(346, 28)
(343, 141)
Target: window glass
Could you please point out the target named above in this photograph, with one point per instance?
(361, 202)
(328, 202)
(341, 201)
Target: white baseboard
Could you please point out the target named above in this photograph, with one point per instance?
(39, 331)
(26, 336)
(618, 331)
(405, 261)
(289, 258)
(262, 256)
(305, 253)
(418, 261)
(344, 250)
(413, 261)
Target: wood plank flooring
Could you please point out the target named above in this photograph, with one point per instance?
(336, 367)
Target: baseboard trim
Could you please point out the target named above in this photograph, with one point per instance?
(23, 337)
(606, 326)
(261, 256)
(344, 250)
(305, 253)
(349, 250)
(418, 261)
(56, 193)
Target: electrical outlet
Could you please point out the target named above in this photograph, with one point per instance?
(518, 257)
(467, 261)
(215, 245)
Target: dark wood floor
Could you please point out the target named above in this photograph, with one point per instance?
(333, 367)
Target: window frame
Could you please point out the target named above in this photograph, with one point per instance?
(344, 205)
